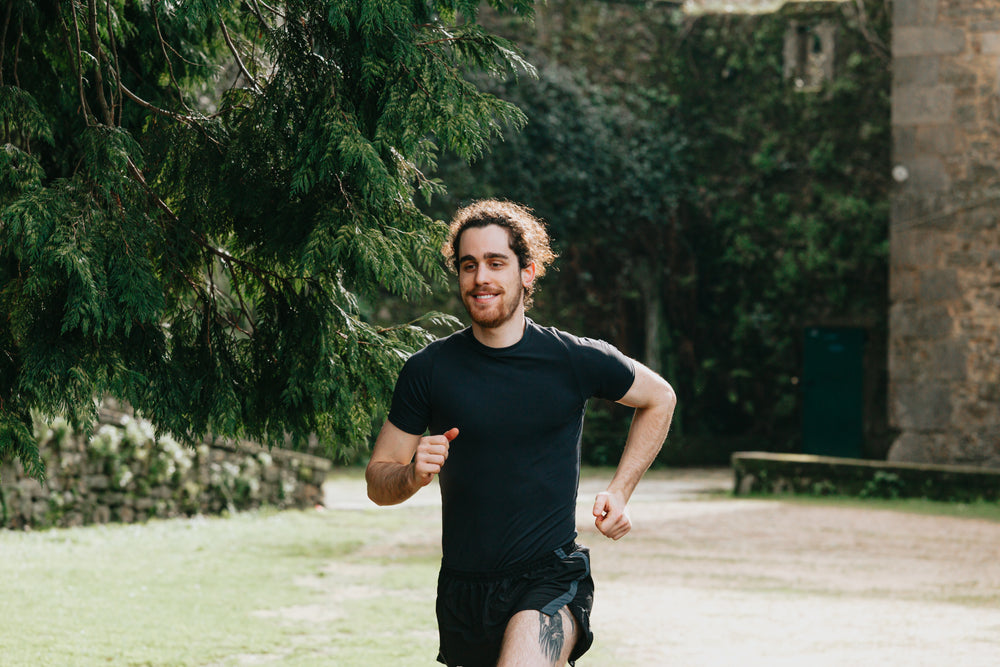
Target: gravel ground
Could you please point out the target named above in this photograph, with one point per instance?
(706, 579)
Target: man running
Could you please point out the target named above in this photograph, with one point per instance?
(503, 402)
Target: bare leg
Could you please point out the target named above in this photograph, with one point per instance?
(533, 639)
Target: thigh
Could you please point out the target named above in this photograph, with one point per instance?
(536, 639)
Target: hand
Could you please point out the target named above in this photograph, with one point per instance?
(611, 515)
(432, 452)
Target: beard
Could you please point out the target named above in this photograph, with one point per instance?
(498, 315)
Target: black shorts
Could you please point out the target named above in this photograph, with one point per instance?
(473, 609)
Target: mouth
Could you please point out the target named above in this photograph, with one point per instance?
(484, 298)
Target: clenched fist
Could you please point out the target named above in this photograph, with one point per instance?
(432, 452)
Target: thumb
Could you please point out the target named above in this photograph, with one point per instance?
(601, 504)
(451, 434)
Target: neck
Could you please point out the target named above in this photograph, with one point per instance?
(505, 335)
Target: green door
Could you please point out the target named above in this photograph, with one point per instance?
(832, 392)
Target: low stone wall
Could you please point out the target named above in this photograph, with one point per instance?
(124, 473)
(764, 472)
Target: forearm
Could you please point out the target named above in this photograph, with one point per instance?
(645, 438)
(390, 483)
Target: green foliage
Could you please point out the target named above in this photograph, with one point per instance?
(195, 195)
(883, 484)
(789, 209)
(706, 210)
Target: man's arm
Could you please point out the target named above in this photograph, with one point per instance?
(654, 400)
(402, 463)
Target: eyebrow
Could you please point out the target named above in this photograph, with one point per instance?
(489, 255)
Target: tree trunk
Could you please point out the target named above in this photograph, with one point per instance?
(650, 284)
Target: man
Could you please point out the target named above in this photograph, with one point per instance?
(504, 402)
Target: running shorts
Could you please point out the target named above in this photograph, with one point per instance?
(473, 608)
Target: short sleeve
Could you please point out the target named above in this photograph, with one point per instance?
(604, 372)
(410, 410)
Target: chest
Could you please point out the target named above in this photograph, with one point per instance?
(522, 396)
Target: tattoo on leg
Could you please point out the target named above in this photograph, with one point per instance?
(551, 636)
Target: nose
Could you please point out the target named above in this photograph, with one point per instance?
(482, 274)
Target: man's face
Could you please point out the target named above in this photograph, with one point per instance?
(489, 279)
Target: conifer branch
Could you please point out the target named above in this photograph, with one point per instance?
(189, 120)
(95, 40)
(271, 9)
(239, 60)
(166, 58)
(84, 107)
(420, 84)
(17, 50)
(239, 296)
(261, 274)
(255, 10)
(3, 40)
(114, 51)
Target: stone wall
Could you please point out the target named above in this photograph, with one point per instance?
(124, 473)
(944, 360)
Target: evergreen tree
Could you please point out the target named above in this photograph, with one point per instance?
(194, 195)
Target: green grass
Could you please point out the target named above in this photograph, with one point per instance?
(982, 510)
(290, 588)
(345, 588)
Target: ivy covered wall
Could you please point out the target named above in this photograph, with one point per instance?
(715, 185)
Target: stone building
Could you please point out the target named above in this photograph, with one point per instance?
(944, 325)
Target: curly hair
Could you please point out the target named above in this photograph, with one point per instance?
(528, 237)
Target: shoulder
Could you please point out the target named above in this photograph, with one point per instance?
(600, 368)
(573, 343)
(426, 357)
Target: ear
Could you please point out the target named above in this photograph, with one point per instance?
(528, 275)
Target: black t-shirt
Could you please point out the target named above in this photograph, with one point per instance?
(509, 486)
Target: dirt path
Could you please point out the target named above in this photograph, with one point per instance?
(704, 580)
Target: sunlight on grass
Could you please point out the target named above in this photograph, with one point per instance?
(283, 588)
(345, 587)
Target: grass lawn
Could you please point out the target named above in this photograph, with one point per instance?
(345, 587)
(289, 588)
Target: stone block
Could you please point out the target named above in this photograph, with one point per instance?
(910, 208)
(923, 406)
(927, 40)
(918, 70)
(102, 514)
(989, 42)
(912, 249)
(97, 482)
(40, 513)
(916, 105)
(113, 498)
(966, 114)
(30, 488)
(914, 12)
(916, 448)
(939, 140)
(928, 174)
(904, 143)
(961, 75)
(947, 359)
(939, 285)
(899, 362)
(904, 285)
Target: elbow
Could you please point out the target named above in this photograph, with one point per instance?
(375, 480)
(373, 489)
